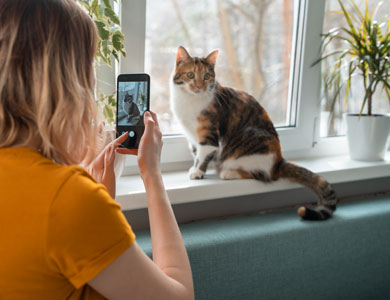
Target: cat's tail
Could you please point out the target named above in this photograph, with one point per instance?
(327, 197)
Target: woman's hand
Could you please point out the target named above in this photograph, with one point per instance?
(149, 151)
(102, 167)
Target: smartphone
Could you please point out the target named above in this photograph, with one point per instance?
(132, 102)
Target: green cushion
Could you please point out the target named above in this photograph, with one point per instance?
(279, 256)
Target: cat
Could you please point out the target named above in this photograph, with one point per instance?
(231, 128)
(130, 107)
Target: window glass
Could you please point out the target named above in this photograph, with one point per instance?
(334, 124)
(255, 39)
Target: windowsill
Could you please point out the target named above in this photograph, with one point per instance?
(336, 169)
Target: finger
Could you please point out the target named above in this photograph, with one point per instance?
(155, 119)
(126, 151)
(109, 159)
(106, 161)
(147, 115)
(99, 160)
(89, 157)
(120, 139)
(101, 126)
(101, 157)
(149, 123)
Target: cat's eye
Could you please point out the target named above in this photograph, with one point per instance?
(190, 75)
(206, 76)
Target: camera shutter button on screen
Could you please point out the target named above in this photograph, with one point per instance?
(131, 133)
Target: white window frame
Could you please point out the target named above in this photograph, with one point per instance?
(297, 142)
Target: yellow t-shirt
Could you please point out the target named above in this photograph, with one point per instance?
(58, 228)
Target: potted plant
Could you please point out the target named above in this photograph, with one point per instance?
(110, 47)
(365, 52)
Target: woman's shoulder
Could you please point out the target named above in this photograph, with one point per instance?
(81, 197)
(35, 172)
(75, 185)
(78, 183)
(68, 178)
(78, 174)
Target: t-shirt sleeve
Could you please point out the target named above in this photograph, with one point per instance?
(86, 230)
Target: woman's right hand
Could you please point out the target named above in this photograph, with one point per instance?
(149, 151)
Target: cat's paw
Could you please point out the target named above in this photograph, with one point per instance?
(196, 173)
(229, 174)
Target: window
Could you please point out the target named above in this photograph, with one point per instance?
(298, 129)
(334, 125)
(290, 86)
(255, 39)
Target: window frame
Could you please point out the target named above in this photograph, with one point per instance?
(305, 85)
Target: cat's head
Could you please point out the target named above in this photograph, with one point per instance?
(195, 75)
(128, 98)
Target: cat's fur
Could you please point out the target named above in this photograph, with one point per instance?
(233, 129)
(130, 107)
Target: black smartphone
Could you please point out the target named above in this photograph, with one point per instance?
(132, 101)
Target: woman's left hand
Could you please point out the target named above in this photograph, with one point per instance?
(102, 167)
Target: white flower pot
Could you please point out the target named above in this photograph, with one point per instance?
(368, 136)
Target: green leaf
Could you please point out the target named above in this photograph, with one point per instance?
(357, 9)
(387, 93)
(103, 32)
(93, 6)
(351, 69)
(84, 4)
(112, 101)
(329, 55)
(108, 112)
(115, 54)
(106, 49)
(347, 17)
(107, 3)
(117, 39)
(109, 13)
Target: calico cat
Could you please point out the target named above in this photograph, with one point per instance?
(233, 129)
(130, 107)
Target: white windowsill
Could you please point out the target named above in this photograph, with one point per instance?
(336, 169)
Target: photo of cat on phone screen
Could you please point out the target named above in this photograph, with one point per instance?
(132, 103)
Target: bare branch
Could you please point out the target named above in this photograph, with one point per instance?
(182, 23)
(230, 50)
(242, 11)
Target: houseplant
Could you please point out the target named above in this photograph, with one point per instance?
(364, 52)
(110, 47)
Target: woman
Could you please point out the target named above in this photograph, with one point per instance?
(62, 236)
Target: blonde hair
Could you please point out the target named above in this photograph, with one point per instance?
(47, 79)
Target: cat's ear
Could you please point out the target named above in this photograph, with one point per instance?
(182, 55)
(212, 57)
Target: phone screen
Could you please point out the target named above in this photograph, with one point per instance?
(132, 102)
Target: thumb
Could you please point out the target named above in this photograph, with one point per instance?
(149, 123)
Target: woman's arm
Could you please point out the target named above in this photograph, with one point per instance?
(169, 252)
(133, 274)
